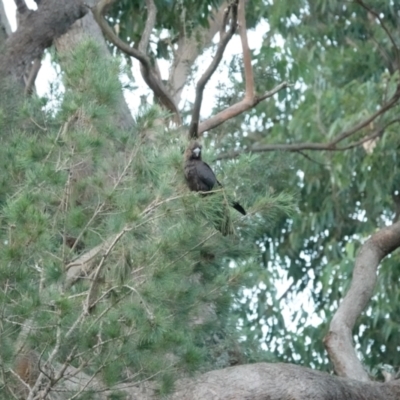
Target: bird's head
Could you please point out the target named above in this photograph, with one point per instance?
(194, 151)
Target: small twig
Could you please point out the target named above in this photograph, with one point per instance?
(61, 132)
(101, 206)
(59, 375)
(193, 248)
(385, 107)
(42, 128)
(146, 307)
(89, 305)
(311, 159)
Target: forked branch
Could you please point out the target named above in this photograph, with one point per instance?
(225, 37)
(250, 99)
(149, 75)
(339, 340)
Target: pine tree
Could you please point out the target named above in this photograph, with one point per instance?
(111, 269)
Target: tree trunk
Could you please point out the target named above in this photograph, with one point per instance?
(36, 32)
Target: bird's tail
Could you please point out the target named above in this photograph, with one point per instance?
(238, 207)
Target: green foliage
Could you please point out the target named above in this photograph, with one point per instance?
(175, 296)
(166, 279)
(343, 67)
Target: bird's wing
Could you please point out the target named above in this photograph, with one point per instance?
(206, 175)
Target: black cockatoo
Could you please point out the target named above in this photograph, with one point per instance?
(201, 178)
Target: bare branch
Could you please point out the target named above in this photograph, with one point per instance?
(238, 108)
(224, 40)
(339, 341)
(248, 69)
(149, 75)
(188, 49)
(150, 22)
(250, 99)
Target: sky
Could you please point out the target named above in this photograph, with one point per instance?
(48, 74)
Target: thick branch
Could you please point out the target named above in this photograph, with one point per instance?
(149, 76)
(21, 6)
(338, 341)
(37, 32)
(250, 100)
(224, 40)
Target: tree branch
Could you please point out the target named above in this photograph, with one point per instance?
(250, 99)
(248, 69)
(21, 6)
(339, 341)
(149, 75)
(149, 26)
(238, 108)
(367, 121)
(224, 40)
(330, 146)
(189, 48)
(36, 32)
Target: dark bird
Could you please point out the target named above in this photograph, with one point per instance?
(199, 175)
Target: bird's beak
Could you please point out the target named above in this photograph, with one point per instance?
(197, 151)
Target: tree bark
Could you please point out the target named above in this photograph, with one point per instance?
(264, 381)
(36, 32)
(280, 382)
(339, 340)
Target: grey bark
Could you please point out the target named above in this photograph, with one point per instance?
(36, 32)
(281, 382)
